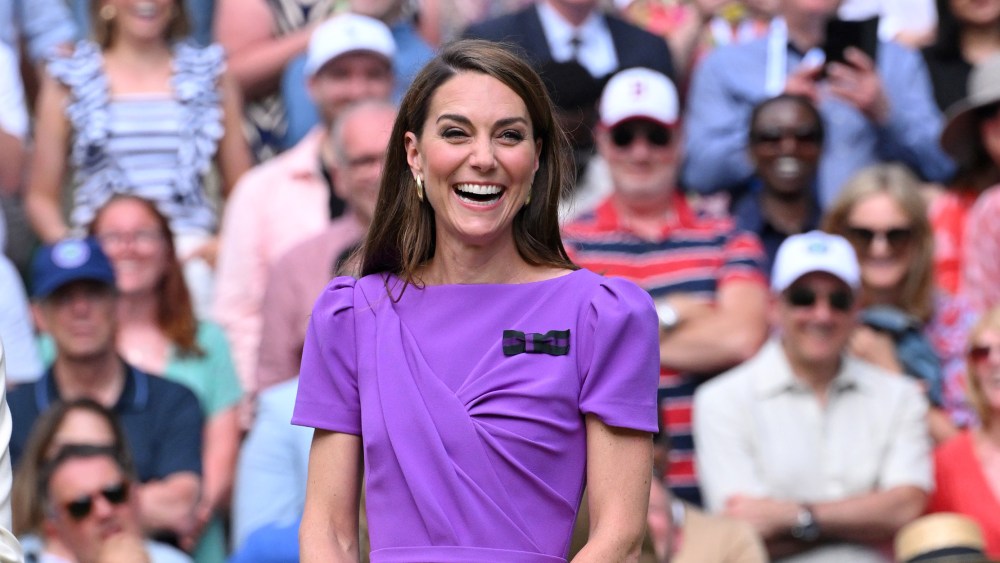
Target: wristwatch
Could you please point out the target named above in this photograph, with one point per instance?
(806, 528)
(668, 316)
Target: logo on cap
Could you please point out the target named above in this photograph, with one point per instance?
(69, 254)
(818, 247)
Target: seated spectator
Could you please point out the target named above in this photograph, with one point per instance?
(967, 35)
(261, 38)
(159, 334)
(907, 324)
(941, 538)
(826, 455)
(285, 201)
(73, 285)
(74, 424)
(705, 276)
(965, 467)
(91, 510)
(412, 52)
(972, 137)
(786, 138)
(153, 129)
(359, 141)
(874, 111)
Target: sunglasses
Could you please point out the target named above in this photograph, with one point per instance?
(982, 352)
(898, 238)
(805, 297)
(811, 135)
(624, 135)
(81, 507)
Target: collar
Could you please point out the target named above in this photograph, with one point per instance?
(559, 31)
(749, 216)
(302, 160)
(134, 396)
(608, 218)
(773, 375)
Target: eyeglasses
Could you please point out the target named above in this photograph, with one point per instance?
(624, 135)
(811, 135)
(142, 239)
(804, 297)
(81, 507)
(898, 238)
(982, 352)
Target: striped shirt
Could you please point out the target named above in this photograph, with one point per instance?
(156, 146)
(692, 255)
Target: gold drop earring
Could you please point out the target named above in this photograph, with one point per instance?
(420, 187)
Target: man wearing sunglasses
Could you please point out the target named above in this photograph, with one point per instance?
(705, 276)
(75, 299)
(91, 513)
(826, 455)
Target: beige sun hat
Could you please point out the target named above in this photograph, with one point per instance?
(944, 536)
(959, 136)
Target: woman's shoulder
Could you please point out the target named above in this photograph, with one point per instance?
(955, 451)
(198, 63)
(77, 66)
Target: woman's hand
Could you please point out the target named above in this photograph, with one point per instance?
(875, 347)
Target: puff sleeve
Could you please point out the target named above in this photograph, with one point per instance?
(328, 395)
(621, 371)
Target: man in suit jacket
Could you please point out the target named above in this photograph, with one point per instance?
(563, 30)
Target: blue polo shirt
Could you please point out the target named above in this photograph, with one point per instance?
(748, 216)
(162, 421)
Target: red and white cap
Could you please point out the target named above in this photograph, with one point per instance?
(639, 93)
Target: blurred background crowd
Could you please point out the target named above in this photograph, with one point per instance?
(179, 179)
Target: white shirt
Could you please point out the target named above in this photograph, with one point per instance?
(596, 51)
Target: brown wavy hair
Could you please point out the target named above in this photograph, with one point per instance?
(401, 237)
(27, 494)
(915, 294)
(102, 32)
(174, 310)
(989, 321)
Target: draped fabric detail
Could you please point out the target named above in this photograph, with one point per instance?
(463, 493)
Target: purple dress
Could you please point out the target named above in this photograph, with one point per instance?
(475, 450)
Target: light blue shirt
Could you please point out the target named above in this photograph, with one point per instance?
(43, 24)
(731, 81)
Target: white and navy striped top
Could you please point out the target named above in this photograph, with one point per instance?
(155, 146)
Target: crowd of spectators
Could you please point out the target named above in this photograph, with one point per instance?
(179, 179)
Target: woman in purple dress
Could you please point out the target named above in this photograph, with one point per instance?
(474, 376)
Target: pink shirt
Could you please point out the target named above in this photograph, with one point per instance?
(981, 258)
(274, 206)
(296, 280)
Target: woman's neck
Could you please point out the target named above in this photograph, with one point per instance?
(979, 42)
(457, 263)
(135, 309)
(880, 296)
(991, 432)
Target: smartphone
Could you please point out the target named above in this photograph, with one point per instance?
(841, 34)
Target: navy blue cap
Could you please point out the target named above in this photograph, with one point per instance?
(68, 261)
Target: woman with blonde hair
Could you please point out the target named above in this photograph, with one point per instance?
(907, 325)
(966, 467)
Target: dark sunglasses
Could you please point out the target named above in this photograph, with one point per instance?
(862, 238)
(811, 135)
(980, 353)
(624, 135)
(115, 494)
(806, 297)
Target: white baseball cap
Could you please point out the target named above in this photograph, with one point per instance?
(348, 33)
(639, 93)
(815, 251)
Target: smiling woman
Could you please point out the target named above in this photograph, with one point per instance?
(476, 430)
